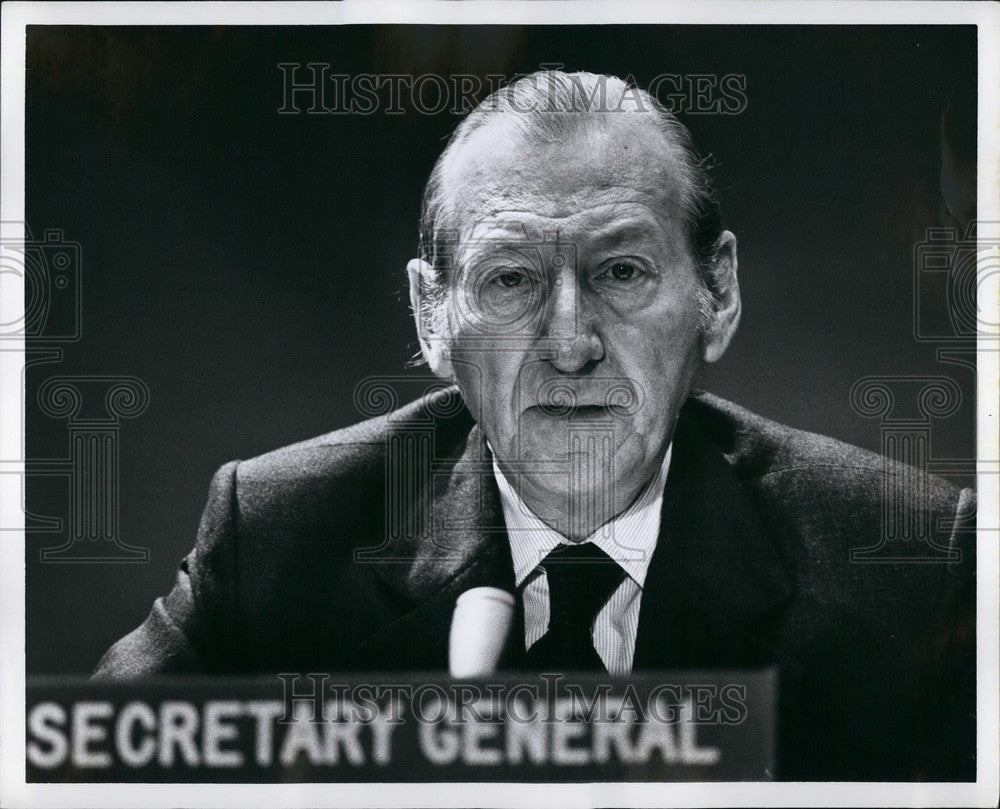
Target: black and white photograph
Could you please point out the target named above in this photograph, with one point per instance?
(499, 404)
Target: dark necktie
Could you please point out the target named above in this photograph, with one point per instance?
(581, 579)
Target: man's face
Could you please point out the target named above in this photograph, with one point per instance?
(574, 318)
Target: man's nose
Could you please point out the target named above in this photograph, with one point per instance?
(570, 328)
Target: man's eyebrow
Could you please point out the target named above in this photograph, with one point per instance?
(496, 243)
(618, 232)
(513, 234)
(498, 230)
(483, 248)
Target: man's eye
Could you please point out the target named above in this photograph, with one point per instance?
(622, 271)
(510, 279)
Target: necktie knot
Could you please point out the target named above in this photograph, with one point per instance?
(581, 579)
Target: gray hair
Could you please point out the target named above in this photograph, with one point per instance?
(536, 103)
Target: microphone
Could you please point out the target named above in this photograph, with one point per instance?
(479, 629)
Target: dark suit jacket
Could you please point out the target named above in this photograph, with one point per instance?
(347, 552)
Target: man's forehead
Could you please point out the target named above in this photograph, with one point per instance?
(501, 168)
(599, 218)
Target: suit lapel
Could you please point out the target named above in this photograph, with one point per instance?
(462, 544)
(715, 577)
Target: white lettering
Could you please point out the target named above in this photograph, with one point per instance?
(86, 730)
(439, 744)
(382, 730)
(45, 723)
(564, 730)
(217, 730)
(527, 737)
(690, 752)
(265, 713)
(615, 733)
(178, 725)
(344, 733)
(302, 736)
(654, 735)
(473, 751)
(132, 714)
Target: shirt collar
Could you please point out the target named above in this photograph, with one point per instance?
(628, 538)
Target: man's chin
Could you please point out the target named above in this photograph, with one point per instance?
(558, 448)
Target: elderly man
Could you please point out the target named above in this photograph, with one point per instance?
(573, 278)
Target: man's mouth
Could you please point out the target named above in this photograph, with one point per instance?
(586, 412)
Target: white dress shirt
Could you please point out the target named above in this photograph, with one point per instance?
(629, 539)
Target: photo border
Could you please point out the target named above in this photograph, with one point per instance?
(13, 789)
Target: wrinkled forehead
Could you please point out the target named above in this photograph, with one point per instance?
(503, 168)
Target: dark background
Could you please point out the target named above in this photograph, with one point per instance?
(249, 266)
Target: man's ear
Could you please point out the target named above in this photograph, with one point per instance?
(433, 346)
(726, 312)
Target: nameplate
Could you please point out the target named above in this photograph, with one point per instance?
(669, 726)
